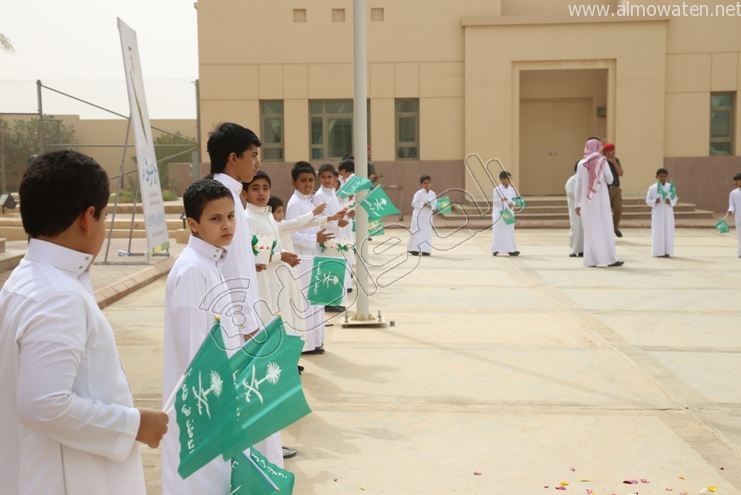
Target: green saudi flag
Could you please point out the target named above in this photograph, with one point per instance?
(672, 190)
(353, 185)
(327, 285)
(378, 204)
(722, 226)
(507, 216)
(444, 206)
(269, 393)
(375, 227)
(205, 406)
(519, 202)
(255, 475)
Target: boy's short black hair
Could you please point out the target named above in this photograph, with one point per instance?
(504, 175)
(57, 187)
(302, 167)
(347, 165)
(737, 177)
(200, 193)
(661, 171)
(258, 175)
(326, 167)
(275, 202)
(228, 138)
(423, 178)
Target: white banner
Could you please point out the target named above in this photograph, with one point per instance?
(149, 180)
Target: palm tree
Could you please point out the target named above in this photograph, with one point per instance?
(5, 43)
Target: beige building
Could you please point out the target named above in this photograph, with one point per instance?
(523, 81)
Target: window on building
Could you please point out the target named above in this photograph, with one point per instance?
(407, 128)
(299, 15)
(331, 128)
(338, 15)
(377, 14)
(271, 129)
(722, 125)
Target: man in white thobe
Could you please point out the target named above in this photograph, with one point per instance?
(734, 208)
(576, 232)
(593, 205)
(662, 198)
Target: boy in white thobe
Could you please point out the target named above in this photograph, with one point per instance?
(210, 211)
(593, 204)
(67, 418)
(327, 194)
(306, 243)
(234, 151)
(662, 198)
(424, 204)
(576, 232)
(734, 208)
(291, 302)
(502, 233)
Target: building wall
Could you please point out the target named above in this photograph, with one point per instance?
(470, 64)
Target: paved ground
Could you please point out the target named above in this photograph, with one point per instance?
(512, 375)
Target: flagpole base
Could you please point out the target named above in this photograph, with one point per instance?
(365, 321)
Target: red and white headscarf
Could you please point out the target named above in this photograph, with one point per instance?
(593, 160)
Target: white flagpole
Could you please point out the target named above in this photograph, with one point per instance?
(360, 149)
(264, 475)
(167, 408)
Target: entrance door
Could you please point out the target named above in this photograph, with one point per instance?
(552, 136)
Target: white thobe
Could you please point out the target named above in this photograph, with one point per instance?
(239, 267)
(662, 220)
(576, 232)
(596, 216)
(292, 304)
(67, 418)
(334, 204)
(734, 206)
(502, 235)
(187, 323)
(423, 205)
(305, 244)
(261, 222)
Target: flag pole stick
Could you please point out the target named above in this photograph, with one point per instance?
(264, 475)
(167, 408)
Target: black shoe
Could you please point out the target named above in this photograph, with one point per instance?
(334, 309)
(317, 350)
(414, 253)
(617, 263)
(618, 233)
(349, 290)
(572, 255)
(425, 254)
(288, 452)
(581, 255)
(495, 253)
(514, 253)
(300, 369)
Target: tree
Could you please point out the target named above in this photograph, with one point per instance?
(19, 141)
(5, 43)
(169, 149)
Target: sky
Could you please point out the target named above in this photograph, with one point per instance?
(73, 46)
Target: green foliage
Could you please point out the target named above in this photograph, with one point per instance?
(171, 148)
(20, 141)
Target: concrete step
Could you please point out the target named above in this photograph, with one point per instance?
(10, 259)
